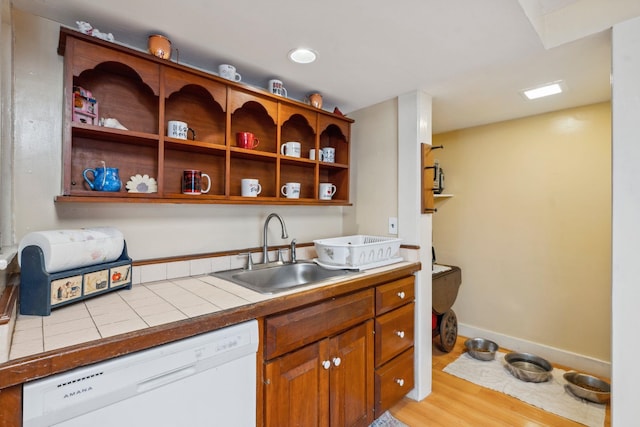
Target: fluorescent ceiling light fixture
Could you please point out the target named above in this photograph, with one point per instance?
(302, 55)
(545, 90)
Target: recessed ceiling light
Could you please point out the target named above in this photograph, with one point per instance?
(302, 55)
(544, 90)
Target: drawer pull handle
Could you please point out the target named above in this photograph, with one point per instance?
(337, 361)
(326, 364)
(401, 295)
(400, 334)
(400, 382)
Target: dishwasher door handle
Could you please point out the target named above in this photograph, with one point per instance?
(166, 378)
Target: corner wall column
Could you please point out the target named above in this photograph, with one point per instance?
(414, 228)
(625, 244)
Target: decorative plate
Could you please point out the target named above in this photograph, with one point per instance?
(142, 184)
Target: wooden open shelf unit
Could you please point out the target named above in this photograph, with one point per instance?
(144, 92)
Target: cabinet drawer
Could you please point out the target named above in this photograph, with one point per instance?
(393, 381)
(394, 294)
(295, 329)
(394, 333)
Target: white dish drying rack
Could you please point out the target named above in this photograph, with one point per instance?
(360, 267)
(358, 252)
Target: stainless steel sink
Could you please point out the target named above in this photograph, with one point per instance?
(279, 277)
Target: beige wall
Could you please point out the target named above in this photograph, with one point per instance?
(151, 230)
(5, 136)
(375, 174)
(530, 226)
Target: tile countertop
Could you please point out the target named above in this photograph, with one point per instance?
(111, 319)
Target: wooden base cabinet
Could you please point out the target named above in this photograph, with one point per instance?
(326, 382)
(394, 342)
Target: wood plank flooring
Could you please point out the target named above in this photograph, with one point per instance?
(456, 402)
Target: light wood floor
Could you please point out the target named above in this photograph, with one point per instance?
(456, 402)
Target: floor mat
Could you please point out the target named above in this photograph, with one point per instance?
(550, 396)
(387, 420)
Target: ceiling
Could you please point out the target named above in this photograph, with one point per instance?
(473, 57)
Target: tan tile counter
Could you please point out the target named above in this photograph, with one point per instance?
(155, 313)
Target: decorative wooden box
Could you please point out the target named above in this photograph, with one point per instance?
(41, 291)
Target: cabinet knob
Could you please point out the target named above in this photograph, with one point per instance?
(400, 334)
(337, 361)
(400, 382)
(401, 295)
(326, 364)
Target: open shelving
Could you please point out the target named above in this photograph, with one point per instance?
(143, 92)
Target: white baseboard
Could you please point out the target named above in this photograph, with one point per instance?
(575, 361)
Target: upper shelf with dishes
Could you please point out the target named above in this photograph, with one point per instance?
(129, 114)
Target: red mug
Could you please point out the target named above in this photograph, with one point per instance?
(247, 140)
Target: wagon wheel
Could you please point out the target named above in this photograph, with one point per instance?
(448, 331)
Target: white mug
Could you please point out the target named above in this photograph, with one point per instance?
(229, 72)
(251, 187)
(291, 149)
(276, 87)
(291, 190)
(329, 154)
(312, 154)
(179, 130)
(327, 190)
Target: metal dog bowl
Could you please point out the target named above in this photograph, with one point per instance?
(588, 387)
(481, 349)
(528, 367)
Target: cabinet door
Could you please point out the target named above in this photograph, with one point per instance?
(351, 378)
(296, 387)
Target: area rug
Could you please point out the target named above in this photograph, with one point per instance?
(550, 396)
(387, 420)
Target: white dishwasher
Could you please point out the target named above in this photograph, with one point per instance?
(206, 380)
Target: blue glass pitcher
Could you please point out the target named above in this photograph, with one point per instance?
(104, 179)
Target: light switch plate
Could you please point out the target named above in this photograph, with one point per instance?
(393, 225)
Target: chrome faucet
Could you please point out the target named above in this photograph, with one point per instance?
(292, 251)
(265, 248)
